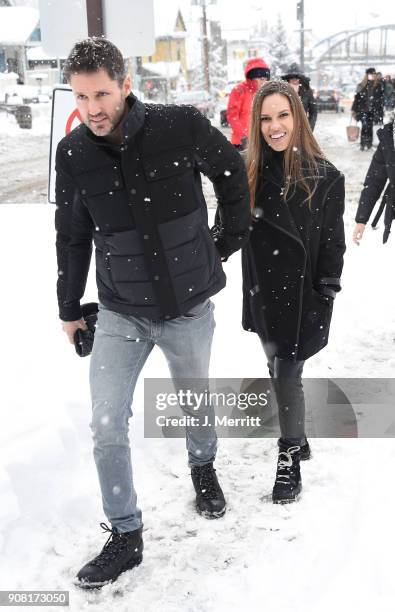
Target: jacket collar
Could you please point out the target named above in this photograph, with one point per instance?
(135, 118)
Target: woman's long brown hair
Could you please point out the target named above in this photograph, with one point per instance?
(365, 81)
(302, 155)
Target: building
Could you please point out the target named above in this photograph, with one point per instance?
(170, 34)
(19, 31)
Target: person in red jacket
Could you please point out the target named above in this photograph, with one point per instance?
(240, 100)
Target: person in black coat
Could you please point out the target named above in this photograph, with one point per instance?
(380, 175)
(301, 84)
(293, 262)
(129, 180)
(368, 106)
(389, 93)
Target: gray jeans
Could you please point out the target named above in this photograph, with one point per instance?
(287, 382)
(121, 347)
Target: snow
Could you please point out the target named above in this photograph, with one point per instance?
(17, 24)
(331, 550)
(169, 70)
(38, 54)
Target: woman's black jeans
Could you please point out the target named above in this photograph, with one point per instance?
(367, 129)
(287, 382)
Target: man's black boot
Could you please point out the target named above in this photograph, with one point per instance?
(121, 552)
(288, 482)
(210, 501)
(305, 450)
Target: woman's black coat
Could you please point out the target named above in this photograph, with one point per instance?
(369, 99)
(293, 263)
(381, 170)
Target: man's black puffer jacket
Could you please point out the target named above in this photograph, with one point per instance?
(143, 205)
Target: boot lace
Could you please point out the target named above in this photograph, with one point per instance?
(285, 464)
(208, 486)
(115, 544)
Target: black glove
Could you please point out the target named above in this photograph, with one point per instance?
(83, 338)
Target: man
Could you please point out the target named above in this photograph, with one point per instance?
(129, 178)
(257, 72)
(301, 85)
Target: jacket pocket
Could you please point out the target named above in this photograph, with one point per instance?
(104, 180)
(107, 268)
(199, 311)
(168, 164)
(315, 323)
(212, 252)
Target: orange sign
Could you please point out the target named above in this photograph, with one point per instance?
(75, 115)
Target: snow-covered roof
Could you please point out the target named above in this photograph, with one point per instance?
(168, 70)
(9, 76)
(17, 24)
(37, 54)
(165, 19)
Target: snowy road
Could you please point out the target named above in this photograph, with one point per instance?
(24, 154)
(332, 550)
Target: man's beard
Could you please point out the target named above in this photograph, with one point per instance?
(114, 122)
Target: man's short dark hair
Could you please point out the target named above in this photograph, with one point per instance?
(93, 54)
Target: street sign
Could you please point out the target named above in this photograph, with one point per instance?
(65, 117)
(129, 24)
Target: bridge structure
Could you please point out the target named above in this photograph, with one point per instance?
(363, 46)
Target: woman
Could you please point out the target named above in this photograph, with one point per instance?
(368, 106)
(301, 84)
(381, 170)
(293, 262)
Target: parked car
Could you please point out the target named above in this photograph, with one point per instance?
(327, 99)
(199, 98)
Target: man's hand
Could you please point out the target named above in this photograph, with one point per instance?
(70, 327)
(358, 232)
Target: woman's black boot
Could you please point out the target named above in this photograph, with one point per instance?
(288, 484)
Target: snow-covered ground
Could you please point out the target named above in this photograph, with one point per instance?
(331, 550)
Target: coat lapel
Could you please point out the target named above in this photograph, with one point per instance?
(272, 208)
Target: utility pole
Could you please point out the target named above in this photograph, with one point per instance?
(205, 48)
(94, 11)
(300, 18)
(205, 41)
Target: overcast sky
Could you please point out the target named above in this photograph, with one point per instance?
(323, 17)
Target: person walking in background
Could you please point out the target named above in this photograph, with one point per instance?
(293, 262)
(368, 106)
(238, 112)
(129, 178)
(389, 93)
(380, 175)
(301, 84)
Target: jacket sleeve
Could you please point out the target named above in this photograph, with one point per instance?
(312, 110)
(74, 231)
(356, 104)
(373, 186)
(332, 241)
(233, 113)
(223, 165)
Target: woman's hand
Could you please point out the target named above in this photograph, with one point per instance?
(358, 232)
